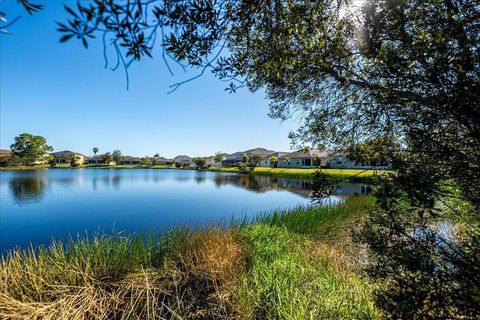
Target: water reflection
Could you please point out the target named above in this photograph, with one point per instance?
(301, 187)
(200, 179)
(183, 178)
(116, 181)
(108, 181)
(38, 205)
(28, 189)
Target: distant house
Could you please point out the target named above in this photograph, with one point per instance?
(340, 161)
(97, 160)
(5, 153)
(160, 161)
(303, 158)
(234, 159)
(262, 152)
(164, 161)
(127, 160)
(309, 158)
(184, 160)
(265, 162)
(66, 156)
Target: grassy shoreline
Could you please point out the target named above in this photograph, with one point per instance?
(356, 175)
(340, 174)
(297, 264)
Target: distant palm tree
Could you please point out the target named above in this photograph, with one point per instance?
(95, 150)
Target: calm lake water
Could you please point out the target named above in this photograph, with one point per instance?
(38, 205)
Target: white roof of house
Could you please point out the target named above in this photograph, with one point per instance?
(69, 152)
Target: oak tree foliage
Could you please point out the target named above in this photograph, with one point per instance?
(30, 148)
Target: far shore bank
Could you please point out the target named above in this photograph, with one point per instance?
(355, 175)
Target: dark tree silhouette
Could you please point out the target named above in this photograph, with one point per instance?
(6, 22)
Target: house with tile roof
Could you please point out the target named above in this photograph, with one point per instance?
(5, 153)
(98, 160)
(184, 160)
(66, 156)
(266, 160)
(304, 158)
(234, 159)
(162, 161)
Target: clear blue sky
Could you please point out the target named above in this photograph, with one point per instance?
(63, 92)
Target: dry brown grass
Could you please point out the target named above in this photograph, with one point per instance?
(344, 258)
(211, 263)
(194, 278)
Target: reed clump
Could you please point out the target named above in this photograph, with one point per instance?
(183, 275)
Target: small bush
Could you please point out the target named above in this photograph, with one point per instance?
(11, 161)
(4, 161)
(242, 166)
(178, 164)
(52, 162)
(200, 163)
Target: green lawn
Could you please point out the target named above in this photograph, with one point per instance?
(306, 173)
(298, 264)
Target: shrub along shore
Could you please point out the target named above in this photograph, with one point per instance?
(297, 264)
(357, 175)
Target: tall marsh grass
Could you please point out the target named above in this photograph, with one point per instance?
(183, 275)
(285, 265)
(288, 279)
(331, 222)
